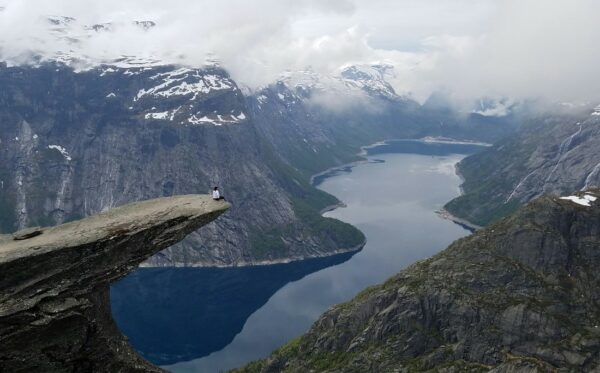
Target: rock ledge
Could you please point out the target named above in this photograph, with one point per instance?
(54, 282)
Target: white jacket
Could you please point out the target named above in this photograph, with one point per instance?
(216, 194)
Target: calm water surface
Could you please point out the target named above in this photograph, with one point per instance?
(211, 320)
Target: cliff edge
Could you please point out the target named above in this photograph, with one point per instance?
(54, 284)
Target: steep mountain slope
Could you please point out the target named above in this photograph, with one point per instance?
(74, 144)
(315, 122)
(554, 155)
(82, 131)
(519, 296)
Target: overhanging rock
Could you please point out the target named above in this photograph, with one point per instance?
(54, 284)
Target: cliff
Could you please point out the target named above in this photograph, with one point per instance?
(54, 284)
(521, 295)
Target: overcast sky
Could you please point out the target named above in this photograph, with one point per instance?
(468, 48)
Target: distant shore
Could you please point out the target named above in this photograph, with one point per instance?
(364, 152)
(445, 214)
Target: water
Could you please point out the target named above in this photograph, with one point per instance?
(217, 319)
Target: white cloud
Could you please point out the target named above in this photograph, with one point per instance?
(471, 48)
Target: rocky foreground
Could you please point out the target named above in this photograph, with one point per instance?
(54, 284)
(522, 295)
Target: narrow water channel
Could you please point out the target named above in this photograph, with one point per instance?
(212, 320)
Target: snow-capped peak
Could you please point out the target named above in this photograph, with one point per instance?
(371, 78)
(354, 80)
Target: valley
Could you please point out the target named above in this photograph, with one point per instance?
(243, 314)
(409, 186)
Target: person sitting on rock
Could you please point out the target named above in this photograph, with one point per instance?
(216, 194)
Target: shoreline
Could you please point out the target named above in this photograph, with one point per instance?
(336, 168)
(425, 140)
(445, 214)
(363, 153)
(264, 263)
(462, 179)
(335, 206)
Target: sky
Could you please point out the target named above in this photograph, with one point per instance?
(465, 48)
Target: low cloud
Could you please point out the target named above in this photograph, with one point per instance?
(467, 48)
(531, 49)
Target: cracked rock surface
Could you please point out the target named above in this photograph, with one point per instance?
(54, 284)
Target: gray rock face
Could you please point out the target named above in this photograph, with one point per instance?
(110, 136)
(73, 144)
(521, 295)
(555, 155)
(54, 303)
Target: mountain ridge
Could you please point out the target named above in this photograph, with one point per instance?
(526, 165)
(74, 143)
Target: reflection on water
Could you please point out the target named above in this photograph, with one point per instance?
(178, 314)
(228, 317)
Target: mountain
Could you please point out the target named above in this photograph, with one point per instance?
(518, 296)
(81, 134)
(77, 143)
(352, 80)
(555, 154)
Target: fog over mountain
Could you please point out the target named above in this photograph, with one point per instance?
(467, 48)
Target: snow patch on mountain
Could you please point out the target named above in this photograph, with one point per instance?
(217, 120)
(162, 115)
(178, 94)
(62, 151)
(355, 80)
(584, 200)
(184, 82)
(370, 78)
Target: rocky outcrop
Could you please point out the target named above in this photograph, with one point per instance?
(521, 295)
(54, 284)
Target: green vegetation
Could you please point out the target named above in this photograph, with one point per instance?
(330, 360)
(270, 244)
(491, 176)
(307, 202)
(343, 234)
(486, 187)
(477, 209)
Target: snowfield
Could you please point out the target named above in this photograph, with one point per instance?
(62, 151)
(583, 201)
